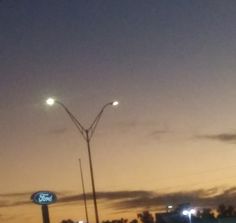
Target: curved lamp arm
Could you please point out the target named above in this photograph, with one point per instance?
(78, 125)
(94, 124)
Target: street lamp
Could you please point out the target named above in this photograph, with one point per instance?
(169, 208)
(189, 213)
(87, 134)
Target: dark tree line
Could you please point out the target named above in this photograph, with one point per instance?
(223, 211)
(226, 211)
(67, 221)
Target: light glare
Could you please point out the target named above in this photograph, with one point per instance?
(50, 101)
(189, 212)
(115, 103)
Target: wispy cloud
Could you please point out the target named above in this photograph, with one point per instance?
(205, 198)
(116, 195)
(20, 194)
(128, 200)
(132, 124)
(58, 131)
(223, 137)
(157, 134)
(127, 124)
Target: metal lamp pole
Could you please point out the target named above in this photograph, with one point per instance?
(87, 134)
(84, 194)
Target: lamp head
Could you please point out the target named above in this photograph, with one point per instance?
(50, 101)
(115, 103)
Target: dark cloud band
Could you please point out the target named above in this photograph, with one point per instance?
(121, 200)
(223, 137)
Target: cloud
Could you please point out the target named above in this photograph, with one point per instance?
(15, 199)
(58, 131)
(127, 124)
(203, 198)
(116, 195)
(158, 133)
(223, 137)
(20, 194)
(140, 199)
(135, 124)
(133, 200)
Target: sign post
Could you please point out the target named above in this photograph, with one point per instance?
(44, 198)
(45, 214)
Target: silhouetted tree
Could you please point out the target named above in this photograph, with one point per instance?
(146, 217)
(224, 211)
(205, 213)
(230, 211)
(122, 220)
(134, 221)
(67, 221)
(221, 211)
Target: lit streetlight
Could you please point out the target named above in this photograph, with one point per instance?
(87, 134)
(169, 208)
(189, 213)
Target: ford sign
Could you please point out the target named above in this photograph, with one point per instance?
(44, 197)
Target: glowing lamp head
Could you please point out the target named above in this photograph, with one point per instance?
(115, 103)
(50, 101)
(185, 212)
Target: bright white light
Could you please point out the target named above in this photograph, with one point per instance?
(115, 103)
(189, 212)
(170, 206)
(50, 101)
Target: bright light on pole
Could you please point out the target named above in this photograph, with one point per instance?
(189, 213)
(50, 101)
(115, 103)
(169, 208)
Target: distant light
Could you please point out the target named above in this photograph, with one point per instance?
(189, 212)
(50, 101)
(169, 206)
(115, 103)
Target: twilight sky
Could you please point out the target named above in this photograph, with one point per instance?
(170, 63)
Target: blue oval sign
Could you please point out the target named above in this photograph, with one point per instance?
(44, 197)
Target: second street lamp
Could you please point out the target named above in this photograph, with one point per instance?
(87, 134)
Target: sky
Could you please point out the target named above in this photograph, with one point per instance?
(171, 65)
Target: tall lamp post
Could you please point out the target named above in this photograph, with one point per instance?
(87, 134)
